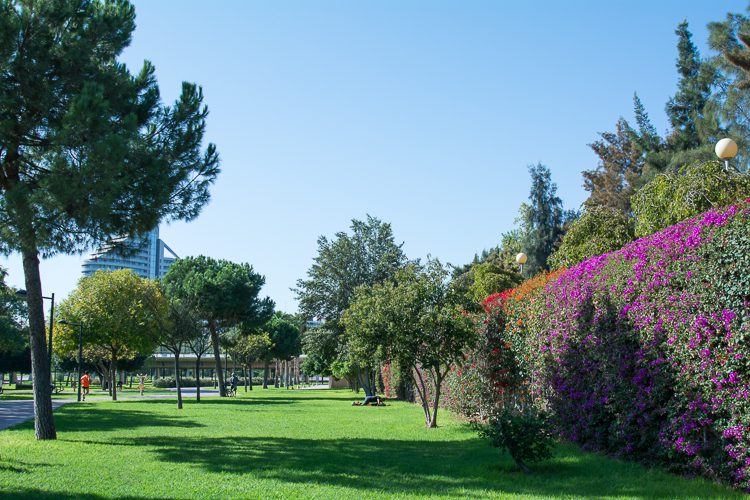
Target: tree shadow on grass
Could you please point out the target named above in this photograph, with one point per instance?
(91, 418)
(467, 469)
(34, 493)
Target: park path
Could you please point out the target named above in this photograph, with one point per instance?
(16, 412)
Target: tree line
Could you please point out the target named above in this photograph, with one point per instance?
(202, 305)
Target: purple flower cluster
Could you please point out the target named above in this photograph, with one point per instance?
(642, 352)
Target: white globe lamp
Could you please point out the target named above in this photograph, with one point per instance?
(521, 259)
(726, 149)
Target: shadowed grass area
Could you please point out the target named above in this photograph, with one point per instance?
(313, 444)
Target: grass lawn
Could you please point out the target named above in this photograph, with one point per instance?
(282, 444)
(68, 393)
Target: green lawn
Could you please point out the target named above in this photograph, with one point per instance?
(68, 393)
(282, 444)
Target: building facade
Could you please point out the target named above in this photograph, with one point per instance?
(147, 256)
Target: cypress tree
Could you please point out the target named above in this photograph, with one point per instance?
(542, 219)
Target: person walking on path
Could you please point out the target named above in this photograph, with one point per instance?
(233, 383)
(142, 383)
(85, 383)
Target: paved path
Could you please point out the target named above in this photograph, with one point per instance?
(16, 412)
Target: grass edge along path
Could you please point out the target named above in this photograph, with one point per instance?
(288, 444)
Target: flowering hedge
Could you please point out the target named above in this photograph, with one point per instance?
(643, 352)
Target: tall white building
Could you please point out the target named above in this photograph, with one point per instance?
(147, 257)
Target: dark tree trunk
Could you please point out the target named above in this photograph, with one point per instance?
(436, 403)
(177, 378)
(44, 424)
(217, 358)
(265, 375)
(276, 373)
(421, 386)
(197, 378)
(249, 374)
(522, 465)
(113, 378)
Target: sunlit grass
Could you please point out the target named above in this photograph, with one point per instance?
(283, 443)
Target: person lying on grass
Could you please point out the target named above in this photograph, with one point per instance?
(370, 400)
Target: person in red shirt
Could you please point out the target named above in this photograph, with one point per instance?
(85, 383)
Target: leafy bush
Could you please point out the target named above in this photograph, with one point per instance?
(168, 382)
(597, 231)
(525, 436)
(674, 196)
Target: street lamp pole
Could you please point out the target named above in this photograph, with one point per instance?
(80, 359)
(23, 293)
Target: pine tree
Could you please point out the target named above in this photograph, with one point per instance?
(87, 150)
(731, 39)
(613, 181)
(693, 91)
(542, 219)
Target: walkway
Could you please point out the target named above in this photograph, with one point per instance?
(16, 412)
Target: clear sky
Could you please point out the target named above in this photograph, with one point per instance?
(424, 114)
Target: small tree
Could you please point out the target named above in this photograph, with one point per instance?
(181, 328)
(417, 321)
(285, 339)
(123, 315)
(253, 347)
(199, 345)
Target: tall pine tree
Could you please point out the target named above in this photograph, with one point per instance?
(543, 219)
(731, 39)
(614, 180)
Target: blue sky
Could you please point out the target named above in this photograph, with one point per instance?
(424, 114)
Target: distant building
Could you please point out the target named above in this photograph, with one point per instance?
(146, 258)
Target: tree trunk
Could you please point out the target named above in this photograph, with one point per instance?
(436, 403)
(265, 375)
(249, 374)
(197, 378)
(276, 373)
(177, 378)
(421, 387)
(44, 424)
(217, 358)
(521, 465)
(113, 378)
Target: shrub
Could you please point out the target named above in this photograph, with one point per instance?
(525, 436)
(168, 382)
(598, 230)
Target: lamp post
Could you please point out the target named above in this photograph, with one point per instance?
(22, 293)
(726, 149)
(80, 351)
(521, 259)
